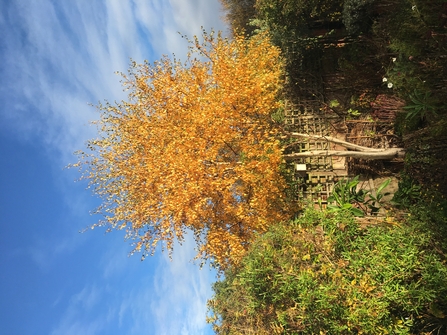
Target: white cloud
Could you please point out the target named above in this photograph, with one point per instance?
(87, 298)
(70, 327)
(141, 298)
(58, 56)
(116, 261)
(171, 301)
(181, 292)
(46, 250)
(74, 320)
(164, 20)
(62, 58)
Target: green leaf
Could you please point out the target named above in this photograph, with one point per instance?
(357, 212)
(337, 198)
(383, 185)
(333, 208)
(346, 206)
(334, 103)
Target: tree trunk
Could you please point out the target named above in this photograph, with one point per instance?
(358, 151)
(373, 154)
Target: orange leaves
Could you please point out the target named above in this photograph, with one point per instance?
(192, 148)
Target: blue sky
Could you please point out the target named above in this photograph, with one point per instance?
(56, 58)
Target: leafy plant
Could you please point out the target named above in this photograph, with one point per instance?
(334, 103)
(353, 112)
(278, 116)
(422, 105)
(347, 197)
(403, 75)
(408, 193)
(374, 201)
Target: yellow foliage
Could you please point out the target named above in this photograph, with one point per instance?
(192, 148)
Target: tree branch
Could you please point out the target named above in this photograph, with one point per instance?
(345, 144)
(372, 154)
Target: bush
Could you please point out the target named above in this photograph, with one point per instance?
(297, 26)
(323, 274)
(357, 15)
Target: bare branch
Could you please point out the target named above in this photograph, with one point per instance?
(372, 154)
(345, 144)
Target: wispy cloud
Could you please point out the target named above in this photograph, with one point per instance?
(164, 20)
(47, 249)
(181, 292)
(57, 57)
(61, 56)
(115, 262)
(141, 298)
(74, 320)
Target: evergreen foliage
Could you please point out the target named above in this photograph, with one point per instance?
(357, 15)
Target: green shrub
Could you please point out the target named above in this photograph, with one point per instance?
(323, 274)
(296, 26)
(357, 15)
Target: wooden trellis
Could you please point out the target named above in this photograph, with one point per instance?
(314, 176)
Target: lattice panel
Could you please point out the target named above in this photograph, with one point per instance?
(315, 187)
(319, 186)
(318, 163)
(314, 125)
(317, 181)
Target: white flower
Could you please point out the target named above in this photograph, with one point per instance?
(394, 59)
(390, 85)
(413, 7)
(384, 79)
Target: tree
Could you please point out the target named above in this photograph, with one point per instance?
(193, 148)
(238, 14)
(357, 15)
(298, 22)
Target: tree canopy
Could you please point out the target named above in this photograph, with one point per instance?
(238, 14)
(193, 148)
